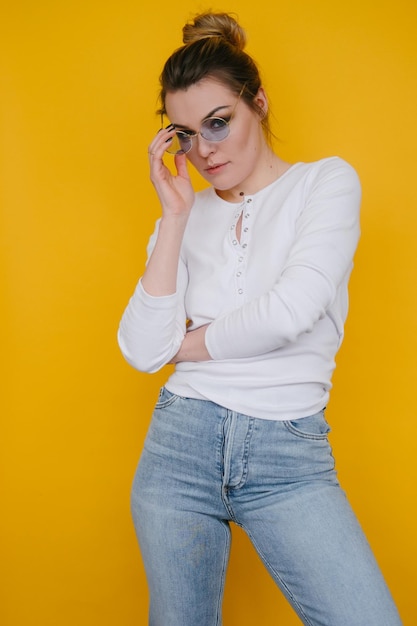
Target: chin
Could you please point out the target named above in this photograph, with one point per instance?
(222, 181)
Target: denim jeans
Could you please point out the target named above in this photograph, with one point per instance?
(204, 466)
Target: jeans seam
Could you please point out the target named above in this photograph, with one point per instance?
(304, 435)
(287, 592)
(166, 403)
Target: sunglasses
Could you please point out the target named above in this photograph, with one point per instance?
(211, 129)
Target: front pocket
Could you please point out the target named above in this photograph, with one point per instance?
(311, 427)
(166, 398)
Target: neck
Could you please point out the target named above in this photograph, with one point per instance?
(270, 168)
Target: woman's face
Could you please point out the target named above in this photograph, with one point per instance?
(231, 165)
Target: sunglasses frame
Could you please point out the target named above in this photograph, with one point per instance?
(191, 134)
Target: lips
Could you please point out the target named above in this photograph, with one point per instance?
(215, 168)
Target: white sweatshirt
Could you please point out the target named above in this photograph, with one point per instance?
(276, 301)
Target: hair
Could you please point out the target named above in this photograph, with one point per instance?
(214, 48)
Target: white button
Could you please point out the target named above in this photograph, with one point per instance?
(239, 274)
(247, 215)
(234, 242)
(249, 200)
(240, 291)
(240, 259)
(245, 230)
(245, 245)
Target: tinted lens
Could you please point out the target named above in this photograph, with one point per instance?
(214, 129)
(181, 142)
(184, 141)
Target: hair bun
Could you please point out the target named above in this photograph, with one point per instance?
(222, 25)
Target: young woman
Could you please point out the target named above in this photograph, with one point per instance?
(245, 290)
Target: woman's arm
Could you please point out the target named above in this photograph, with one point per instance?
(320, 259)
(193, 347)
(153, 324)
(176, 195)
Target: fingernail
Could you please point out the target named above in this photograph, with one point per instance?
(170, 127)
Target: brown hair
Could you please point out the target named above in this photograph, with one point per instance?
(214, 48)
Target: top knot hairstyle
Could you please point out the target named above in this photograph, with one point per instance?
(215, 25)
(214, 48)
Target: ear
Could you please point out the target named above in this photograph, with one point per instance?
(261, 101)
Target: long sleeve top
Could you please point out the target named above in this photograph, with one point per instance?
(276, 300)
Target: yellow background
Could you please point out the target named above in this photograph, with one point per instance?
(79, 82)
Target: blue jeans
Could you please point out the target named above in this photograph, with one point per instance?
(204, 466)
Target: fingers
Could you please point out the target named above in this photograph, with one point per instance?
(159, 144)
(181, 165)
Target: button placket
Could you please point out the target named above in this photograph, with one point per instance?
(246, 223)
(233, 235)
(241, 247)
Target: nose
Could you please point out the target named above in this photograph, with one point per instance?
(204, 147)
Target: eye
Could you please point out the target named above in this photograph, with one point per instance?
(215, 123)
(184, 140)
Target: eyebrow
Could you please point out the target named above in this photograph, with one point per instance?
(211, 114)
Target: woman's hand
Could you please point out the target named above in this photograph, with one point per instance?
(175, 192)
(176, 195)
(193, 348)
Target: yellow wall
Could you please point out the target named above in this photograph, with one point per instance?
(78, 94)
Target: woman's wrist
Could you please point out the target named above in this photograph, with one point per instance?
(193, 348)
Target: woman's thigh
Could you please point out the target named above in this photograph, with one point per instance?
(179, 517)
(304, 529)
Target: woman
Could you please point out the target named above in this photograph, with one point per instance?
(245, 290)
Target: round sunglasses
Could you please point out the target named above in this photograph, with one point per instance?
(212, 129)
